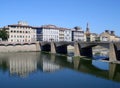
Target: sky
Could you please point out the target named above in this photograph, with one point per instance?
(100, 14)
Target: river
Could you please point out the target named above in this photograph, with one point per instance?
(43, 70)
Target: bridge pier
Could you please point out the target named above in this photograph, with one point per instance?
(53, 47)
(76, 62)
(112, 52)
(38, 46)
(112, 69)
(76, 49)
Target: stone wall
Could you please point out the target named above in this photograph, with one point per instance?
(20, 48)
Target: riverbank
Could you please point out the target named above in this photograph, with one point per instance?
(27, 47)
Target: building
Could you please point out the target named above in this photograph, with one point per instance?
(47, 33)
(61, 34)
(109, 36)
(94, 37)
(52, 32)
(67, 35)
(21, 33)
(77, 34)
(87, 34)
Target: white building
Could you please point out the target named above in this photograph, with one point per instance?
(21, 33)
(52, 32)
(67, 35)
(77, 34)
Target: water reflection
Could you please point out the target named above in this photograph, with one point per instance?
(20, 64)
(23, 64)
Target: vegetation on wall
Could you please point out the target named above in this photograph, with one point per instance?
(3, 34)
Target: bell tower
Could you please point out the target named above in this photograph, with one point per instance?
(87, 33)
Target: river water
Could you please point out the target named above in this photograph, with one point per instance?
(43, 70)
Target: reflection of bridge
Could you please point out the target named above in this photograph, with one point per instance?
(85, 66)
(82, 48)
(22, 64)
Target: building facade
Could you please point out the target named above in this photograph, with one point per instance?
(52, 32)
(77, 34)
(21, 33)
(67, 35)
(109, 36)
(94, 37)
(61, 34)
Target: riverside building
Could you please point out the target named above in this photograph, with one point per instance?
(77, 34)
(109, 36)
(52, 32)
(21, 33)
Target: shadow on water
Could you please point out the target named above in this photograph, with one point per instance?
(22, 64)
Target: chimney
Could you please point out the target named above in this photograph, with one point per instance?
(107, 31)
(112, 33)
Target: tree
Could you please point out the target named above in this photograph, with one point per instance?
(3, 34)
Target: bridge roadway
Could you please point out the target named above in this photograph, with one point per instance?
(82, 48)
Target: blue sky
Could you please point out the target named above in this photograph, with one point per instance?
(100, 14)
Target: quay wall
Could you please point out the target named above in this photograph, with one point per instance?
(20, 48)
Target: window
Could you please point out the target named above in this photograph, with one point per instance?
(20, 36)
(17, 40)
(14, 31)
(11, 40)
(11, 31)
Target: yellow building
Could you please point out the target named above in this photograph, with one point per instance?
(21, 33)
(109, 36)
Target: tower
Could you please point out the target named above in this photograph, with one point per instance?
(87, 33)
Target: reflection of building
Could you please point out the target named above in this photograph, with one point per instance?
(47, 63)
(22, 66)
(49, 66)
(21, 32)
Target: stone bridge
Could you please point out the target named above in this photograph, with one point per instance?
(82, 48)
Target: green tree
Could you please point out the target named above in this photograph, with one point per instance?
(3, 34)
